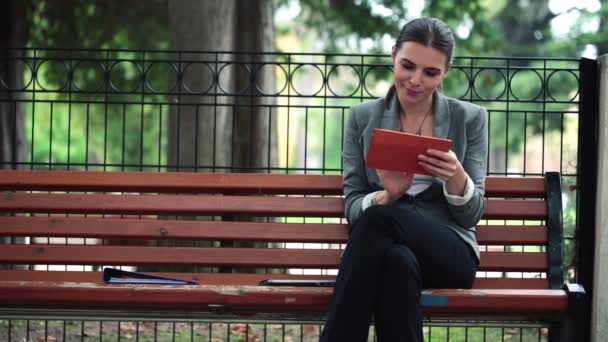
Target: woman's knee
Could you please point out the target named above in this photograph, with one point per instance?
(376, 218)
(399, 259)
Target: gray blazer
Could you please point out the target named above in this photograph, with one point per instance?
(462, 122)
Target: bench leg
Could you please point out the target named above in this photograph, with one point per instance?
(574, 326)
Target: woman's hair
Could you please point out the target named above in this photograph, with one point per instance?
(427, 31)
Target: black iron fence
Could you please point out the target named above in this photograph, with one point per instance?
(78, 330)
(265, 112)
(120, 108)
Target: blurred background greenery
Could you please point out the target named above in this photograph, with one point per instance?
(559, 28)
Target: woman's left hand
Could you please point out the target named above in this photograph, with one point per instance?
(445, 165)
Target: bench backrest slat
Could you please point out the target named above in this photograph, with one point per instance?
(92, 227)
(528, 187)
(201, 256)
(173, 229)
(223, 205)
(515, 209)
(253, 183)
(172, 204)
(511, 235)
(234, 257)
(162, 182)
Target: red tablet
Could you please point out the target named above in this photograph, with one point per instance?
(398, 151)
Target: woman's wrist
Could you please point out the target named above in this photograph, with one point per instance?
(383, 197)
(456, 185)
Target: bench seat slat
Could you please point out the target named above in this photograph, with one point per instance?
(190, 182)
(235, 257)
(241, 278)
(224, 205)
(262, 298)
(92, 227)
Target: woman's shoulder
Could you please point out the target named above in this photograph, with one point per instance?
(464, 111)
(465, 107)
(366, 110)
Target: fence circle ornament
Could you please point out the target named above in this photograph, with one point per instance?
(278, 89)
(522, 80)
(155, 68)
(343, 76)
(226, 83)
(49, 68)
(483, 90)
(306, 70)
(85, 70)
(28, 77)
(194, 72)
(564, 81)
(456, 79)
(125, 76)
(378, 74)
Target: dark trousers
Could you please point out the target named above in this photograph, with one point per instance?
(391, 255)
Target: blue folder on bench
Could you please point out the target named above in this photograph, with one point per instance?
(117, 276)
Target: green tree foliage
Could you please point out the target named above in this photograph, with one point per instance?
(335, 20)
(483, 27)
(129, 24)
(580, 36)
(74, 133)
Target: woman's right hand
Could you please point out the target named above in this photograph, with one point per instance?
(395, 184)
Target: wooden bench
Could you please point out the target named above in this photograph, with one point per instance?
(80, 218)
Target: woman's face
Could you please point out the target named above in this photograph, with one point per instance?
(418, 71)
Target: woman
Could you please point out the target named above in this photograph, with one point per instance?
(409, 232)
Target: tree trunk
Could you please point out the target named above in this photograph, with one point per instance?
(13, 145)
(254, 145)
(12, 114)
(200, 135)
(228, 133)
(229, 136)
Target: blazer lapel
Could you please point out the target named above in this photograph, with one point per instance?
(389, 119)
(441, 122)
